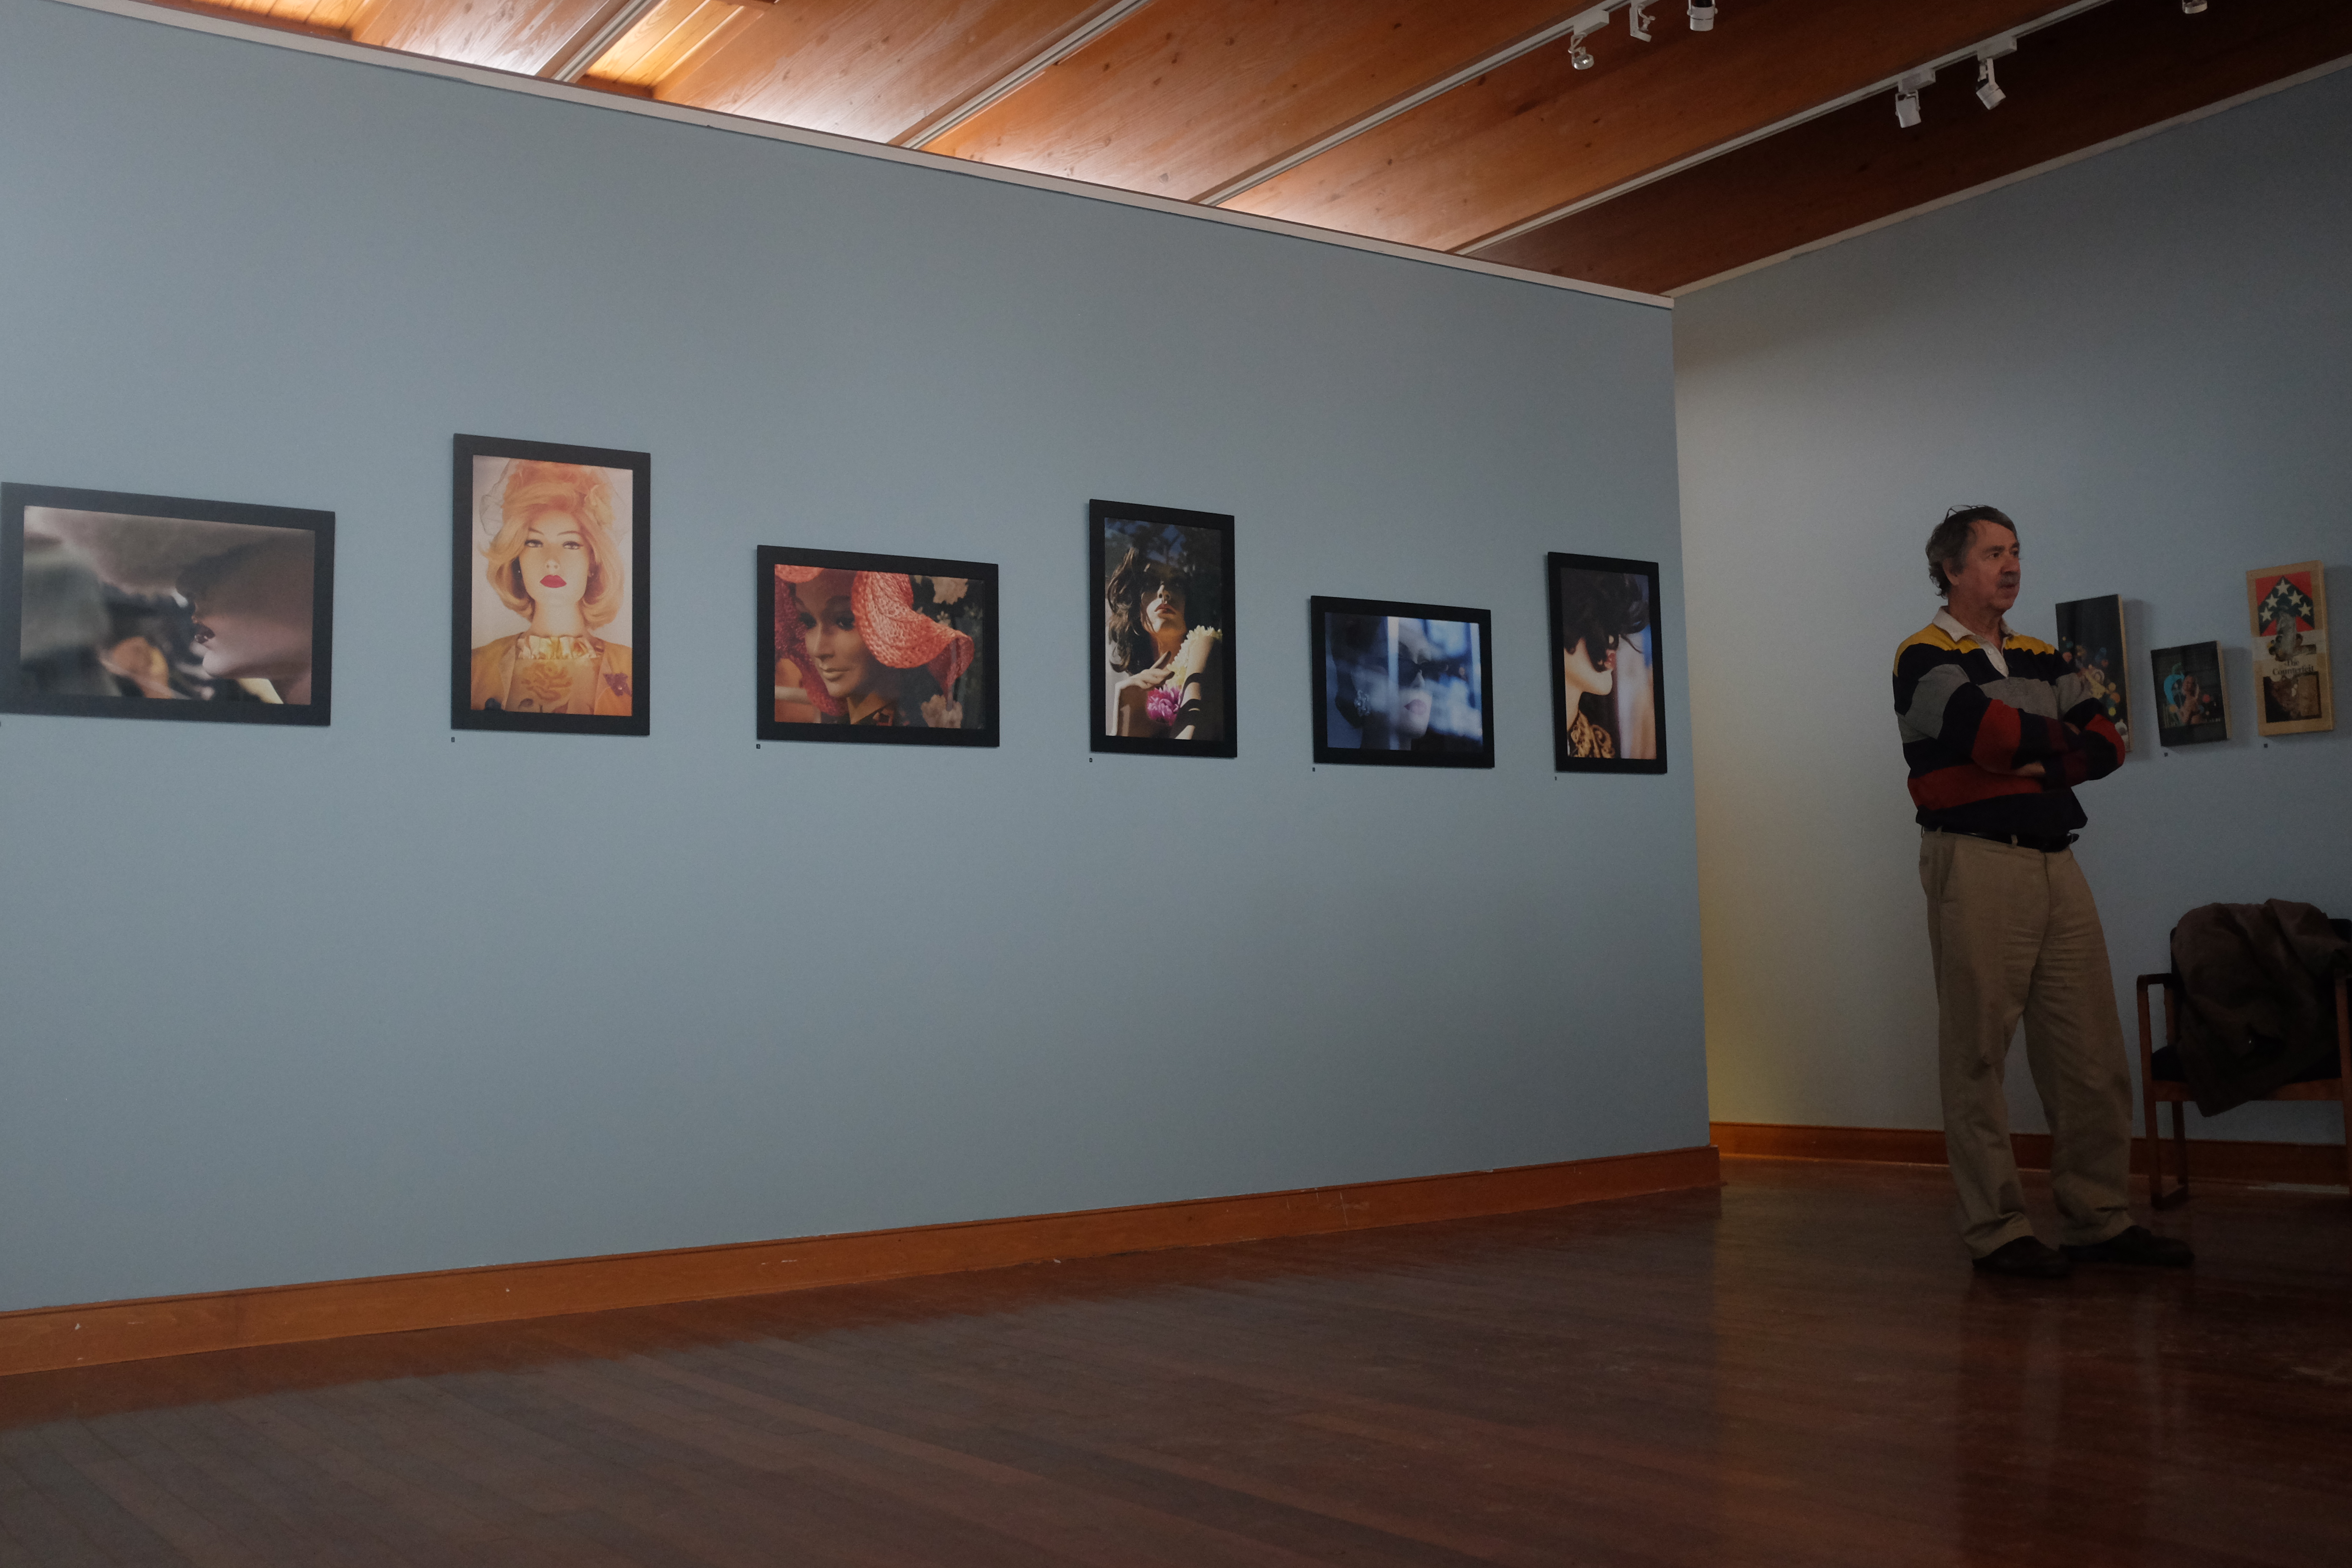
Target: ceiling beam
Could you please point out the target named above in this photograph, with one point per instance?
(1538, 134)
(2082, 84)
(597, 35)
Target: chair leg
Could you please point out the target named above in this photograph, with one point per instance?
(2344, 1070)
(2180, 1149)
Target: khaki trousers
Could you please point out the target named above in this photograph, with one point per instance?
(2014, 934)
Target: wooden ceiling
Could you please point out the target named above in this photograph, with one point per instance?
(1458, 125)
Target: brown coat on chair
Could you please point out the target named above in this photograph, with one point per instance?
(2259, 980)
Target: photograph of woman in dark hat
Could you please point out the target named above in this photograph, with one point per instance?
(1606, 707)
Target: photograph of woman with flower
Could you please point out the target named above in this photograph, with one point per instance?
(1165, 683)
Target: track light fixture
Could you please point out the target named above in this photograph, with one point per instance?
(1702, 15)
(2192, 7)
(1907, 97)
(1581, 27)
(1637, 19)
(1988, 91)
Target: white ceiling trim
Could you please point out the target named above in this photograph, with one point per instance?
(686, 114)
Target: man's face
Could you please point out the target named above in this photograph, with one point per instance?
(1987, 574)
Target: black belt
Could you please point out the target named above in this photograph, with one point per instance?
(2022, 840)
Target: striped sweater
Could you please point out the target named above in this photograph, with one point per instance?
(1967, 728)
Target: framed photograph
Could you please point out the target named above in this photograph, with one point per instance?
(1608, 698)
(2192, 705)
(1401, 685)
(886, 648)
(2288, 607)
(1163, 630)
(133, 607)
(2091, 639)
(547, 628)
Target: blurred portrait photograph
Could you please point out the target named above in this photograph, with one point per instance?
(1609, 706)
(2288, 607)
(2091, 639)
(1399, 685)
(1163, 669)
(138, 606)
(550, 592)
(895, 649)
(2191, 706)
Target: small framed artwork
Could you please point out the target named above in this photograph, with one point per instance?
(1399, 685)
(886, 648)
(1608, 698)
(2091, 639)
(2292, 692)
(1163, 630)
(137, 607)
(548, 630)
(2192, 705)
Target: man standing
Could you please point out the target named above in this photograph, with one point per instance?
(1997, 729)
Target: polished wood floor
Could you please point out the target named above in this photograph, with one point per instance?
(1800, 1369)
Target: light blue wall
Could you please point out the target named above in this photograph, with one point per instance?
(285, 1004)
(2146, 358)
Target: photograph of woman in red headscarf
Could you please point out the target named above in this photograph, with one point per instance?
(887, 648)
(551, 580)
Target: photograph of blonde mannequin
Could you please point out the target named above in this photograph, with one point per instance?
(1607, 705)
(551, 606)
(154, 607)
(1166, 682)
(879, 647)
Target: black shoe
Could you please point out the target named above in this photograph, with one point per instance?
(2137, 1245)
(2027, 1257)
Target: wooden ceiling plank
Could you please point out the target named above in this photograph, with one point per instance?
(934, 126)
(521, 35)
(1538, 134)
(2083, 83)
(1188, 95)
(869, 68)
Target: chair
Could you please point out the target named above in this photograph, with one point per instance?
(2155, 1089)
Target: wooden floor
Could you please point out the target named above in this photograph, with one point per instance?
(1800, 1369)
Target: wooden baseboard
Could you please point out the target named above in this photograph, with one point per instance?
(47, 1338)
(2209, 1158)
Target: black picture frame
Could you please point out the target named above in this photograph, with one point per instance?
(122, 557)
(1579, 586)
(1371, 636)
(468, 565)
(1203, 557)
(971, 613)
(2206, 720)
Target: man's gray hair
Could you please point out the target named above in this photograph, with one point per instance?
(1950, 540)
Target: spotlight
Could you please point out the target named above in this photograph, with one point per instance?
(2192, 7)
(1702, 15)
(1907, 97)
(1581, 26)
(1988, 91)
(1637, 19)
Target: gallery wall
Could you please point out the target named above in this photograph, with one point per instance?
(2146, 359)
(286, 1005)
